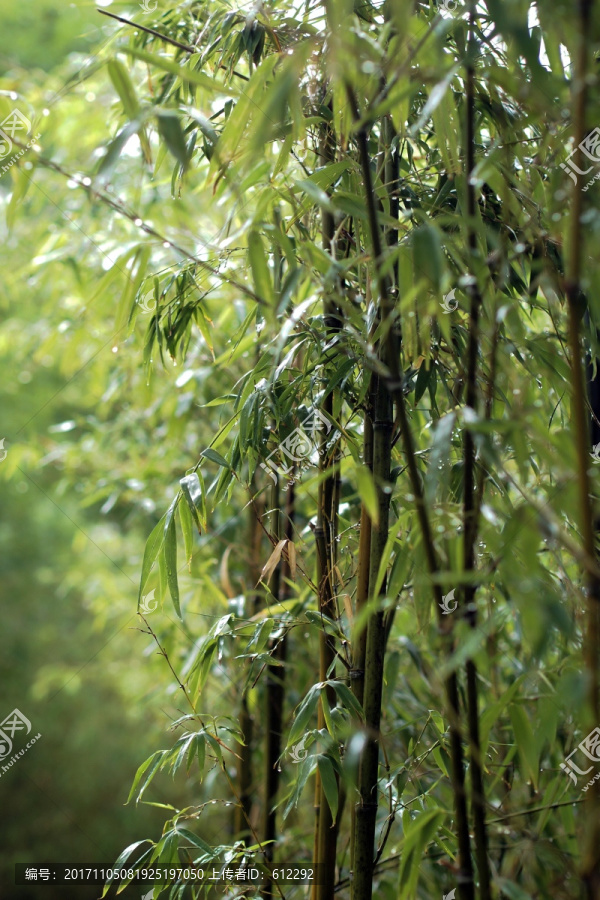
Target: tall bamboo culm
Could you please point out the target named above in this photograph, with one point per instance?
(591, 857)
(243, 810)
(363, 853)
(470, 504)
(326, 832)
(365, 825)
(274, 705)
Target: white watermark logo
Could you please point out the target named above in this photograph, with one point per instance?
(146, 303)
(446, 601)
(451, 895)
(11, 725)
(449, 6)
(590, 747)
(14, 125)
(3, 451)
(590, 148)
(296, 448)
(596, 452)
(146, 606)
(299, 751)
(146, 5)
(16, 721)
(449, 302)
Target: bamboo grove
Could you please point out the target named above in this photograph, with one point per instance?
(379, 250)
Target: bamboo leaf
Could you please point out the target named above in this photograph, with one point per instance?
(153, 547)
(329, 782)
(273, 561)
(185, 517)
(192, 492)
(186, 73)
(526, 744)
(170, 551)
(170, 130)
(123, 85)
(304, 714)
(215, 457)
(146, 771)
(368, 492)
(260, 268)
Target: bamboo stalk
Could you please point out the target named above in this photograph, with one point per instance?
(245, 776)
(470, 503)
(363, 889)
(274, 702)
(325, 838)
(591, 857)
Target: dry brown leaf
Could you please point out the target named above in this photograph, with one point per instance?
(272, 562)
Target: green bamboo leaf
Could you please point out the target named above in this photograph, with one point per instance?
(260, 268)
(215, 457)
(170, 551)
(347, 698)
(526, 744)
(326, 712)
(195, 841)
(169, 128)
(418, 832)
(186, 73)
(123, 85)
(400, 569)
(192, 493)
(151, 551)
(205, 124)
(330, 785)
(368, 492)
(305, 769)
(115, 148)
(447, 129)
(440, 456)
(120, 862)
(304, 714)
(428, 256)
(187, 529)
(146, 771)
(422, 382)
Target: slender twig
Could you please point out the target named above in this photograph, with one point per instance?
(136, 219)
(162, 37)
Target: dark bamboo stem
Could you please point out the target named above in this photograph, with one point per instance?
(325, 841)
(245, 776)
(591, 857)
(470, 504)
(366, 811)
(274, 702)
(363, 890)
